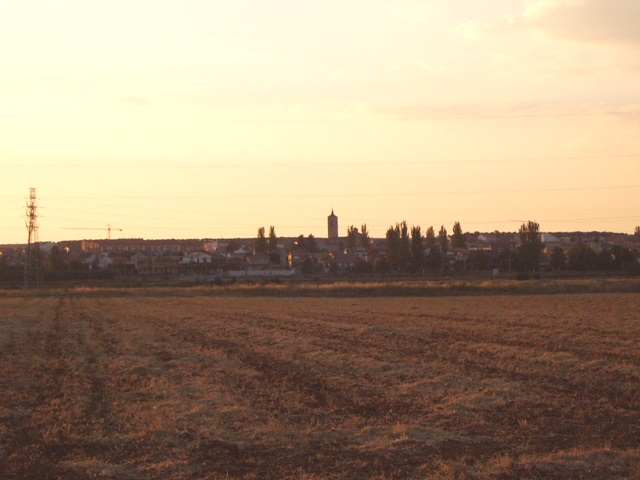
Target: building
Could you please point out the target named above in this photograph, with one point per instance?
(133, 245)
(159, 265)
(199, 258)
(342, 262)
(550, 240)
(332, 221)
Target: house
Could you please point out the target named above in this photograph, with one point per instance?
(503, 245)
(375, 254)
(132, 245)
(261, 265)
(100, 261)
(359, 252)
(477, 247)
(551, 241)
(159, 265)
(342, 261)
(296, 258)
(46, 247)
(196, 257)
(487, 238)
(10, 255)
(239, 254)
(137, 258)
(216, 246)
(258, 261)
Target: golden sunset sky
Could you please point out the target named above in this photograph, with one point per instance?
(198, 119)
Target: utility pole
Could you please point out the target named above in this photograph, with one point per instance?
(32, 267)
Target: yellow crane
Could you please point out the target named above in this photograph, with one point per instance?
(108, 230)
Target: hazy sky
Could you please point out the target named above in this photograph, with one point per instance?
(210, 119)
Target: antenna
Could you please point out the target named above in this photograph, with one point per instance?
(32, 270)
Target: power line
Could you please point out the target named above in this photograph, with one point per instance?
(131, 165)
(357, 195)
(398, 117)
(164, 210)
(376, 226)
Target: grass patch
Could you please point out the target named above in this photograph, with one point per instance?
(414, 288)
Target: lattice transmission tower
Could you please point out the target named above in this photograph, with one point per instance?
(32, 263)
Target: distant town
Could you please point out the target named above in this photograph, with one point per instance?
(406, 250)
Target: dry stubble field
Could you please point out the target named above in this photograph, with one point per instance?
(153, 385)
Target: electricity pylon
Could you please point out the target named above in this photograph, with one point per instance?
(32, 267)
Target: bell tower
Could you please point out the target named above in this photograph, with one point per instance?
(332, 222)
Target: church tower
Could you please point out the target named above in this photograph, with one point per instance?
(332, 221)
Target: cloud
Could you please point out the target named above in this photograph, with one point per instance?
(433, 67)
(597, 21)
(427, 112)
(499, 59)
(473, 29)
(521, 109)
(137, 101)
(576, 70)
(631, 107)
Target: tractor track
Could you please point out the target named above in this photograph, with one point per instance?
(197, 387)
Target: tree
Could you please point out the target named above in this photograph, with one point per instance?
(310, 244)
(352, 237)
(620, 257)
(557, 259)
(479, 260)
(581, 257)
(530, 245)
(443, 239)
(506, 259)
(433, 260)
(307, 267)
(392, 246)
(54, 262)
(382, 266)
(272, 247)
(637, 232)
(299, 243)
(273, 240)
(232, 246)
(405, 246)
(430, 239)
(457, 239)
(365, 239)
(362, 267)
(417, 251)
(261, 242)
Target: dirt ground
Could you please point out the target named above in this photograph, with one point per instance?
(134, 386)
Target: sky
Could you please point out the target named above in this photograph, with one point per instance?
(210, 119)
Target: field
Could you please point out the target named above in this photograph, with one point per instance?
(149, 385)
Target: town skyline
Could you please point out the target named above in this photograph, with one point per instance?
(333, 230)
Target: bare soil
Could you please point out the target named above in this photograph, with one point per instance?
(134, 386)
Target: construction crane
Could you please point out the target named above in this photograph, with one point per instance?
(108, 230)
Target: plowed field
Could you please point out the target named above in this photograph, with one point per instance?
(155, 386)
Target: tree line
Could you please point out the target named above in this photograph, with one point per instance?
(408, 250)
